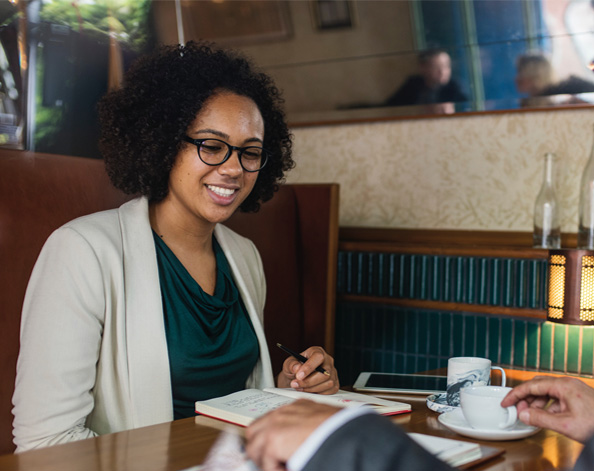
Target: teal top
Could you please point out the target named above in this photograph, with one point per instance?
(211, 341)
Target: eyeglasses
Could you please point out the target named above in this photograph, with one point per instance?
(216, 152)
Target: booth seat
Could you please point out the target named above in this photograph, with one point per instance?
(296, 234)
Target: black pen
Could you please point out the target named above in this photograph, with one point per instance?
(301, 358)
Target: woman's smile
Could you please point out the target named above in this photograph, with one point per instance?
(222, 195)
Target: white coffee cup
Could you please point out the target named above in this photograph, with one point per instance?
(468, 371)
(481, 406)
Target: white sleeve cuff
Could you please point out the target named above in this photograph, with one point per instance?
(311, 445)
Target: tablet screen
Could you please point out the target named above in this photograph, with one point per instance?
(427, 383)
(411, 383)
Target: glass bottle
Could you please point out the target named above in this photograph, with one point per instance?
(547, 229)
(585, 238)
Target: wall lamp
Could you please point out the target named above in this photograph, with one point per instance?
(571, 287)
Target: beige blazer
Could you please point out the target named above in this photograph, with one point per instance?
(93, 357)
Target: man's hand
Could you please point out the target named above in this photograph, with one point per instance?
(564, 404)
(272, 439)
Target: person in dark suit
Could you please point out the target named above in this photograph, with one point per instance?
(306, 436)
(433, 84)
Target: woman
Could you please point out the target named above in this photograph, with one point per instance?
(133, 314)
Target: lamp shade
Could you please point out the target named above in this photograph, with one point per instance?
(571, 287)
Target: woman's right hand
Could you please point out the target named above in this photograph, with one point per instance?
(304, 377)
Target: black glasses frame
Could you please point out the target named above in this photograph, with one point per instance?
(230, 149)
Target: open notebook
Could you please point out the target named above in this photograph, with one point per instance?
(243, 407)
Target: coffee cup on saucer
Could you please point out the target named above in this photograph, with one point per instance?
(468, 371)
(481, 406)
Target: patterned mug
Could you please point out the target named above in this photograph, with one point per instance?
(468, 371)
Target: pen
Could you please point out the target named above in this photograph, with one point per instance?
(301, 358)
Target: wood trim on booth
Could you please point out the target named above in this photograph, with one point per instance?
(333, 262)
(345, 119)
(332, 275)
(310, 206)
(447, 306)
(445, 242)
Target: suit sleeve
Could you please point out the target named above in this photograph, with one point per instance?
(453, 92)
(586, 459)
(407, 93)
(372, 443)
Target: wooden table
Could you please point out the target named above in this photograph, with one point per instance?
(184, 443)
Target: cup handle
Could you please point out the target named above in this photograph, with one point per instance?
(512, 417)
(502, 374)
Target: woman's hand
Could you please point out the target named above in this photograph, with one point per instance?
(304, 377)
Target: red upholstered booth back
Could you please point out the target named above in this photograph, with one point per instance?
(296, 234)
(38, 193)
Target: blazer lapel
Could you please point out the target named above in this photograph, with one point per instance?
(248, 278)
(148, 360)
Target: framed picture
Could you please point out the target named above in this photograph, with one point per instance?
(332, 14)
(237, 22)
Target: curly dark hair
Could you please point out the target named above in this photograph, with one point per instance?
(143, 123)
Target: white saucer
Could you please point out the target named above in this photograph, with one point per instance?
(455, 421)
(437, 402)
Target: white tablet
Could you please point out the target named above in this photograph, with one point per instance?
(402, 383)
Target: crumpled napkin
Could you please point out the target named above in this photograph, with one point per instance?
(227, 454)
